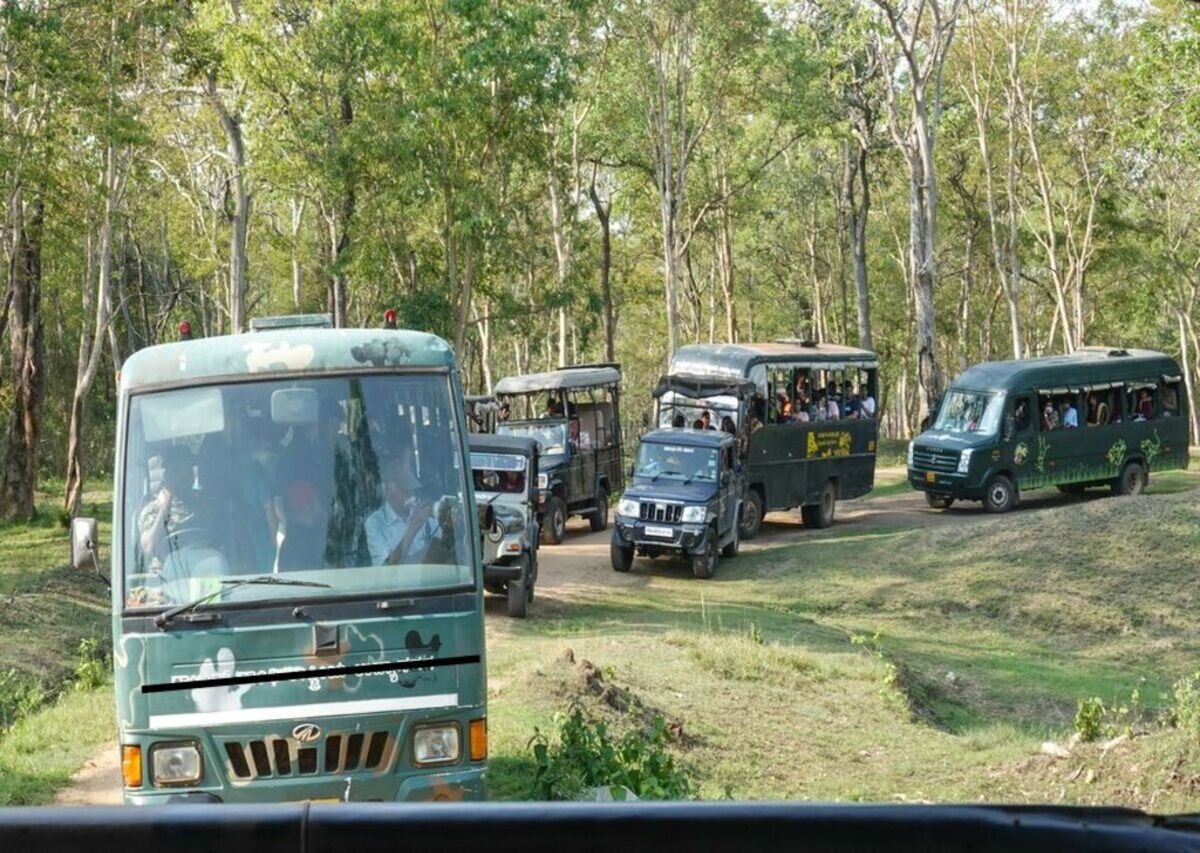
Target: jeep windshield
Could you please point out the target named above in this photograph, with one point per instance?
(970, 412)
(316, 481)
(551, 436)
(499, 472)
(677, 462)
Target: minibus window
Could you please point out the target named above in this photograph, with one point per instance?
(970, 412)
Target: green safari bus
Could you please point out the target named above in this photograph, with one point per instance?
(1097, 417)
(811, 428)
(296, 576)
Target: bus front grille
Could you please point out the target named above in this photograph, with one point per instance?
(273, 758)
(935, 459)
(668, 513)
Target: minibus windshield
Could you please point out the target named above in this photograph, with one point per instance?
(973, 412)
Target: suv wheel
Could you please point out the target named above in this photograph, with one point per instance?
(554, 527)
(752, 514)
(622, 557)
(599, 519)
(1000, 494)
(704, 564)
(1132, 481)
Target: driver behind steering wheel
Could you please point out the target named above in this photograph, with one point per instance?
(169, 510)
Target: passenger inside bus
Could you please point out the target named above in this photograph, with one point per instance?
(404, 527)
(1098, 411)
(173, 507)
(1049, 415)
(1070, 416)
(1021, 416)
(1145, 405)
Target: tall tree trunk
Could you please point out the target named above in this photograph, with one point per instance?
(297, 222)
(602, 216)
(859, 208)
(231, 124)
(18, 471)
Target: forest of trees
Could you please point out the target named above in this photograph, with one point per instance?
(556, 181)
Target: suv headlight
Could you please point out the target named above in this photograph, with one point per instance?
(964, 461)
(437, 744)
(543, 481)
(694, 514)
(910, 454)
(176, 764)
(627, 506)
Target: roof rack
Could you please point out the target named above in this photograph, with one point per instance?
(291, 321)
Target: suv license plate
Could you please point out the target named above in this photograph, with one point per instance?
(660, 532)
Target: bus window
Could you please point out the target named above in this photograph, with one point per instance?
(1101, 407)
(1140, 400)
(1021, 412)
(1170, 393)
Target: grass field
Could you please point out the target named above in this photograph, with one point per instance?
(895, 665)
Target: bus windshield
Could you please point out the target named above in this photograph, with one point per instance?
(352, 483)
(551, 436)
(676, 462)
(970, 412)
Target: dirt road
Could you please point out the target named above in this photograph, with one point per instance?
(581, 564)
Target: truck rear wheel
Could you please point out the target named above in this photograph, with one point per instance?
(752, 514)
(819, 516)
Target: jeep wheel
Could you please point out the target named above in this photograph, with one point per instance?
(704, 564)
(599, 519)
(1132, 481)
(622, 557)
(518, 599)
(1000, 494)
(752, 514)
(730, 550)
(554, 527)
(819, 516)
(938, 501)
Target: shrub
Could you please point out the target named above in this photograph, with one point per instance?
(20, 696)
(91, 670)
(1186, 708)
(588, 756)
(1089, 719)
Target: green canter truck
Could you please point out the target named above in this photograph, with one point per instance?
(296, 577)
(1098, 417)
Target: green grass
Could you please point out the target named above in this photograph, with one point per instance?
(899, 664)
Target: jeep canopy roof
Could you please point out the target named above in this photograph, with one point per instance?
(690, 437)
(699, 386)
(280, 352)
(736, 360)
(1087, 368)
(564, 379)
(503, 444)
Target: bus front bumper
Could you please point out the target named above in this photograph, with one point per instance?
(943, 484)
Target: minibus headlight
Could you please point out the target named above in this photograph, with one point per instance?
(964, 461)
(694, 514)
(910, 454)
(175, 764)
(437, 744)
(628, 507)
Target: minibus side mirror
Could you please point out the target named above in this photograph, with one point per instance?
(84, 536)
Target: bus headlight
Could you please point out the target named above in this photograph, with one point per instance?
(910, 454)
(628, 507)
(694, 514)
(176, 764)
(964, 461)
(437, 744)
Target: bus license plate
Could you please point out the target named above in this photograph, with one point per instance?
(930, 477)
(660, 532)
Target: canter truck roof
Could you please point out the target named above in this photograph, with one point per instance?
(737, 359)
(1086, 366)
(563, 379)
(283, 351)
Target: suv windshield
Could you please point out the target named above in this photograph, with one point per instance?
(676, 462)
(551, 436)
(498, 472)
(970, 412)
(354, 483)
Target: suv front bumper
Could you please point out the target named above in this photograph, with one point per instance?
(684, 538)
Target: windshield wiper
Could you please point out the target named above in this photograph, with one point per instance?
(164, 618)
(664, 474)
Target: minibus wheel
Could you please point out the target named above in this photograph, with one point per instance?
(1132, 480)
(938, 501)
(1000, 494)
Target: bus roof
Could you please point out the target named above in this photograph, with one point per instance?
(692, 437)
(563, 379)
(282, 352)
(737, 359)
(1089, 365)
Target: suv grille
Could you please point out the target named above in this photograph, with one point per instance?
(669, 513)
(269, 758)
(935, 459)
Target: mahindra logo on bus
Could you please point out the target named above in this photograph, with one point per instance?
(306, 732)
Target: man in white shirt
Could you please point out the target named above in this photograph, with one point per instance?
(401, 530)
(866, 404)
